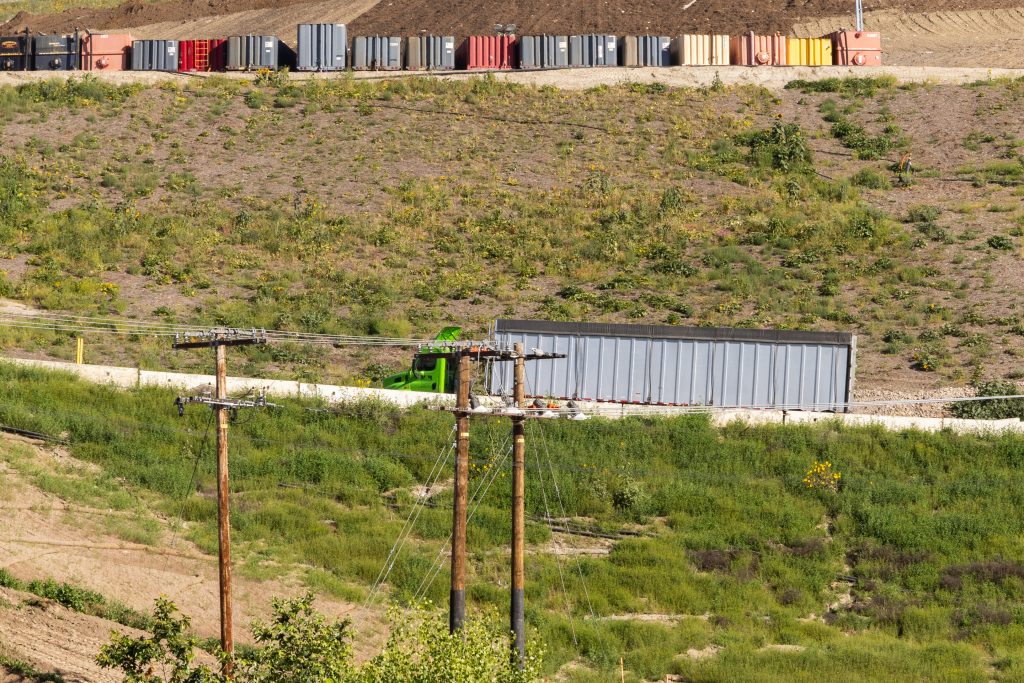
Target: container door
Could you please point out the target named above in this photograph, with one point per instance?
(339, 46)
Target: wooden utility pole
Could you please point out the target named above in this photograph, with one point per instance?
(516, 612)
(220, 340)
(227, 641)
(457, 597)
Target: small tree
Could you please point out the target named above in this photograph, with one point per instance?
(421, 650)
(297, 646)
(166, 656)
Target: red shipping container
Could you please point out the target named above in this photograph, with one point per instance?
(488, 52)
(106, 52)
(856, 48)
(753, 50)
(202, 55)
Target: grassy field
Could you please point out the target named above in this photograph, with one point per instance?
(910, 570)
(396, 207)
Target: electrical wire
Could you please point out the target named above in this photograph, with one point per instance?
(481, 491)
(418, 505)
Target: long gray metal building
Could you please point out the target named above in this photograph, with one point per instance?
(696, 366)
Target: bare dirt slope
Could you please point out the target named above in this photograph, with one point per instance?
(272, 21)
(409, 17)
(42, 535)
(400, 17)
(53, 639)
(177, 17)
(988, 38)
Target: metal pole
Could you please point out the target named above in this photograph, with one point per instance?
(516, 613)
(457, 597)
(223, 519)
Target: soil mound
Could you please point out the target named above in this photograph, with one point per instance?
(132, 13)
(409, 17)
(464, 17)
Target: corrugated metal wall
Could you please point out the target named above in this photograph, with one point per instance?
(682, 366)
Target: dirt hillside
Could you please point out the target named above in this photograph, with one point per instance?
(401, 17)
(993, 38)
(45, 536)
(409, 17)
(133, 13)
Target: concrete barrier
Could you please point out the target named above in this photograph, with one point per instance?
(100, 374)
(133, 377)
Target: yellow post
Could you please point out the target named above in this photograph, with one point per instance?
(79, 350)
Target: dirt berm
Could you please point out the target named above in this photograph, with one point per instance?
(463, 17)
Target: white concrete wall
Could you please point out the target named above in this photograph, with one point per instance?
(133, 377)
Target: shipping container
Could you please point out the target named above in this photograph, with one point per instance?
(629, 51)
(14, 53)
(754, 50)
(377, 53)
(322, 47)
(808, 51)
(155, 55)
(856, 48)
(700, 50)
(250, 52)
(432, 53)
(55, 53)
(202, 55)
(593, 50)
(488, 52)
(654, 51)
(668, 365)
(543, 52)
(106, 52)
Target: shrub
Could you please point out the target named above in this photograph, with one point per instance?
(992, 410)
(922, 213)
(1000, 242)
(782, 147)
(871, 179)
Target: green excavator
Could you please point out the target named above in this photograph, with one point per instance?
(428, 373)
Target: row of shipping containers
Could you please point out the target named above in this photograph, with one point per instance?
(326, 47)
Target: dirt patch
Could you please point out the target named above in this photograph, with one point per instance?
(50, 537)
(571, 544)
(176, 17)
(54, 639)
(275, 20)
(409, 17)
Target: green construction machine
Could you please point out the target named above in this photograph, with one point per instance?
(428, 373)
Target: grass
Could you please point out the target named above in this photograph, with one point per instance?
(368, 214)
(738, 551)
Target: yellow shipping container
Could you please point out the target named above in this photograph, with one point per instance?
(808, 52)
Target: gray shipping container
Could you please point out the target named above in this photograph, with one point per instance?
(543, 52)
(650, 364)
(435, 53)
(376, 53)
(654, 51)
(252, 52)
(322, 47)
(593, 50)
(154, 55)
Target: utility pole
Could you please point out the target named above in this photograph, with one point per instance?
(517, 610)
(219, 340)
(457, 597)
